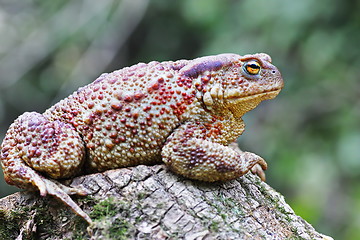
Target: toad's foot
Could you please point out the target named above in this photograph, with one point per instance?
(256, 169)
(32, 180)
(62, 192)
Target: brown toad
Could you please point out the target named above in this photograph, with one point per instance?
(184, 113)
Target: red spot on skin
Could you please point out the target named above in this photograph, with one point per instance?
(127, 109)
(159, 67)
(113, 135)
(129, 125)
(100, 97)
(96, 87)
(112, 80)
(90, 105)
(87, 121)
(113, 117)
(104, 86)
(122, 139)
(74, 112)
(116, 106)
(205, 79)
(161, 80)
(128, 98)
(141, 74)
(138, 95)
(37, 153)
(123, 120)
(135, 115)
(5, 149)
(98, 112)
(155, 86)
(89, 136)
(147, 108)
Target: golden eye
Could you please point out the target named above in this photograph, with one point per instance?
(252, 67)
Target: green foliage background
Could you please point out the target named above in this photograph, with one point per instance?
(310, 134)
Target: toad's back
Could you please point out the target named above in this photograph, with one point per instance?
(124, 117)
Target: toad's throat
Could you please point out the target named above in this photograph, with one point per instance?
(238, 106)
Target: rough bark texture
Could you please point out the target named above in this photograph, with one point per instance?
(149, 202)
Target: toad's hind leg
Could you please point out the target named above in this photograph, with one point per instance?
(35, 148)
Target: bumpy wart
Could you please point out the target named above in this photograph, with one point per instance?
(184, 113)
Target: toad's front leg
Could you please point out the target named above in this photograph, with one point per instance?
(192, 156)
(35, 147)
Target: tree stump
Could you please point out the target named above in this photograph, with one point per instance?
(149, 202)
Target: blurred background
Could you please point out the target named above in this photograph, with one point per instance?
(309, 134)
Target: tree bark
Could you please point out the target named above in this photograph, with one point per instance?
(149, 202)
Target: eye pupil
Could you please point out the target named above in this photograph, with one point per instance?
(252, 67)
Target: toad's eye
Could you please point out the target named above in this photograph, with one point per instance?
(252, 67)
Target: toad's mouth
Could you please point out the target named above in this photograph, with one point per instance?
(259, 96)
